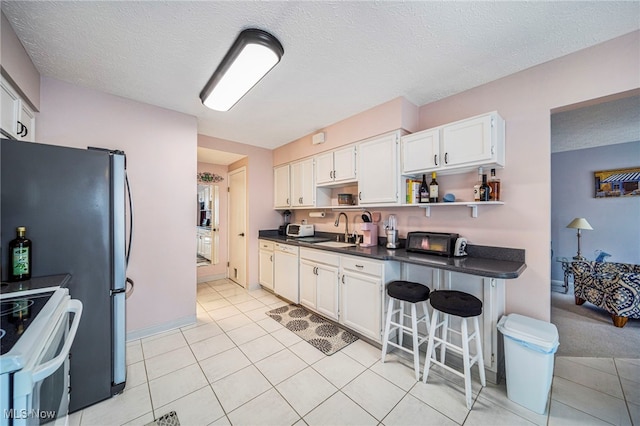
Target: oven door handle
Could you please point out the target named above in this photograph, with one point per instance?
(48, 368)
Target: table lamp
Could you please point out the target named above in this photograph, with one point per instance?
(579, 223)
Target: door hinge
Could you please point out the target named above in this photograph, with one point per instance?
(228, 264)
(228, 189)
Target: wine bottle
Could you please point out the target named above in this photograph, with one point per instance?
(20, 256)
(485, 189)
(424, 190)
(494, 183)
(433, 189)
(476, 187)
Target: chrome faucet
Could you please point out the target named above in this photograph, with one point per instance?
(346, 225)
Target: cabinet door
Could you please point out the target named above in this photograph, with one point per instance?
(281, 187)
(361, 304)
(10, 108)
(206, 248)
(324, 168)
(344, 164)
(308, 280)
(467, 141)
(265, 274)
(327, 286)
(302, 184)
(26, 124)
(421, 152)
(378, 170)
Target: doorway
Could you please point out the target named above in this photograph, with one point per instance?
(238, 226)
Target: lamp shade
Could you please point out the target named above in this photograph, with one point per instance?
(580, 223)
(253, 54)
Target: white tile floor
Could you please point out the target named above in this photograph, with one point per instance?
(238, 366)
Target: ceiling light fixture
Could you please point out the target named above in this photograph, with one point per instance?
(250, 58)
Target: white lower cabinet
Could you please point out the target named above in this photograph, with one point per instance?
(319, 282)
(265, 256)
(346, 289)
(362, 293)
(285, 272)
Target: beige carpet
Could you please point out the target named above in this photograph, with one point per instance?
(587, 331)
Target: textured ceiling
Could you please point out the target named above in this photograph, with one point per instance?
(340, 57)
(606, 123)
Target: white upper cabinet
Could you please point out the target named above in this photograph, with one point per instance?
(378, 177)
(17, 119)
(335, 167)
(420, 151)
(456, 147)
(282, 187)
(302, 184)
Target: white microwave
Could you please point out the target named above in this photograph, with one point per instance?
(298, 230)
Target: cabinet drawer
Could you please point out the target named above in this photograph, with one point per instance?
(320, 256)
(266, 245)
(361, 265)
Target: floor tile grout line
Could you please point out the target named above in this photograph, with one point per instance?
(626, 402)
(477, 396)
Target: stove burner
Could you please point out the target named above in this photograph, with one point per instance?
(10, 308)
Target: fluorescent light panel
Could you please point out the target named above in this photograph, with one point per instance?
(250, 58)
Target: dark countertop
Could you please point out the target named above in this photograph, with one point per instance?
(485, 261)
(35, 285)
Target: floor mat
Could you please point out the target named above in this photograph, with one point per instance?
(169, 419)
(321, 333)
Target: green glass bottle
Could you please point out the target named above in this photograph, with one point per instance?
(20, 256)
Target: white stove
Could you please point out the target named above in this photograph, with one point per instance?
(36, 336)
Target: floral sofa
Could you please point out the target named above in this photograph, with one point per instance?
(614, 287)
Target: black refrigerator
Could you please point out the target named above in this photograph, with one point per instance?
(73, 203)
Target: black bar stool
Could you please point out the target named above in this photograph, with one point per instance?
(464, 306)
(412, 293)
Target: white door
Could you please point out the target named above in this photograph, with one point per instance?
(282, 187)
(361, 304)
(468, 141)
(344, 164)
(378, 170)
(238, 226)
(327, 291)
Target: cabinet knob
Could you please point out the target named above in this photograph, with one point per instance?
(435, 159)
(446, 158)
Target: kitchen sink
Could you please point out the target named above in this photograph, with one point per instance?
(335, 244)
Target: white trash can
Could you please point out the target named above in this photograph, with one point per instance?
(529, 348)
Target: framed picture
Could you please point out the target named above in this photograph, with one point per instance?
(617, 183)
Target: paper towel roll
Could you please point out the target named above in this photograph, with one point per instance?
(316, 214)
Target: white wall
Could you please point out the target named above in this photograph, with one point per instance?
(161, 149)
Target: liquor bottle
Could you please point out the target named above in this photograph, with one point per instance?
(20, 256)
(494, 183)
(424, 190)
(433, 189)
(476, 187)
(485, 189)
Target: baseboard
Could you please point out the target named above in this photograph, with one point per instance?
(161, 328)
(205, 278)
